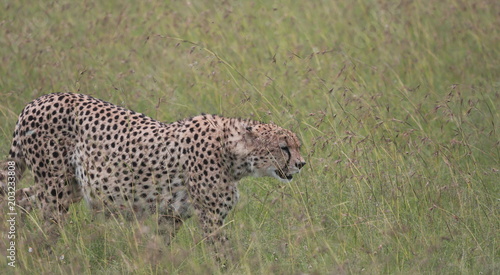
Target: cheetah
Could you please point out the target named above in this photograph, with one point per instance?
(116, 159)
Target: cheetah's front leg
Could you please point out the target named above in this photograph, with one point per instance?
(212, 226)
(212, 202)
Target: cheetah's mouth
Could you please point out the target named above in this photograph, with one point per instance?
(282, 176)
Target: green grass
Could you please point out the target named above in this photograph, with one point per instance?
(396, 103)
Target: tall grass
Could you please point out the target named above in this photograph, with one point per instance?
(396, 103)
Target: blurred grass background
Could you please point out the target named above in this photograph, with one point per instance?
(396, 103)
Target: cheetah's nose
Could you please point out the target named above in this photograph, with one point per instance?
(301, 164)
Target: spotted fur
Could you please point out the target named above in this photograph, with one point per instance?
(79, 147)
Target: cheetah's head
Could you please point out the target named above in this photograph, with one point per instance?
(275, 152)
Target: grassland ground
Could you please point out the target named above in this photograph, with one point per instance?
(396, 103)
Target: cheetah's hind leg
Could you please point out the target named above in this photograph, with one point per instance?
(168, 226)
(54, 196)
(23, 199)
(11, 172)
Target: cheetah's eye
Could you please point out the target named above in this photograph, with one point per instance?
(284, 148)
